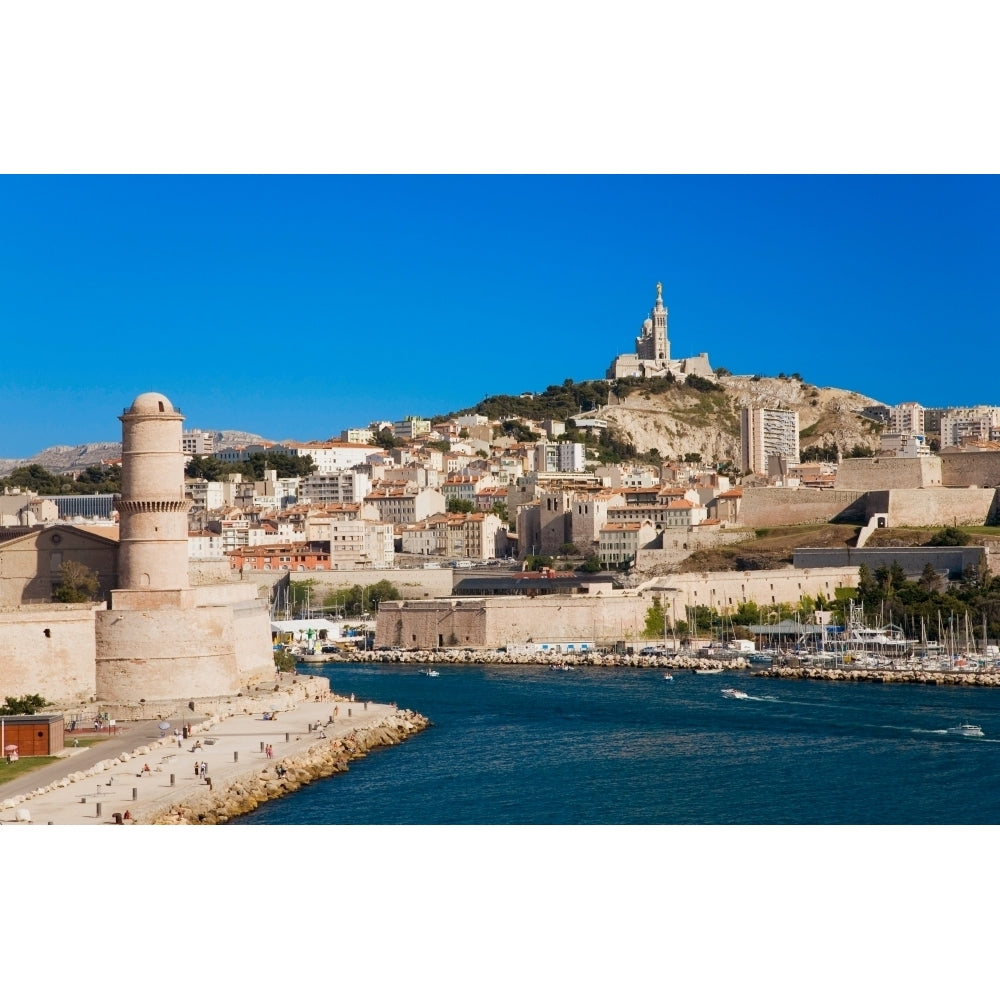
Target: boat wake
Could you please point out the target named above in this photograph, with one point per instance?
(741, 695)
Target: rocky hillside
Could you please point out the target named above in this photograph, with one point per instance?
(681, 421)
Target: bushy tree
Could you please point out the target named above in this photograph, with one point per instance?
(949, 536)
(78, 585)
(28, 704)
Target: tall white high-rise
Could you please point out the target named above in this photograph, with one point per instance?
(769, 440)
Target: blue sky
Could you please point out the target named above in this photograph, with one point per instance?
(295, 306)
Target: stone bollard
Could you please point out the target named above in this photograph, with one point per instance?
(288, 737)
(135, 794)
(236, 756)
(98, 808)
(329, 721)
(172, 777)
(348, 713)
(262, 748)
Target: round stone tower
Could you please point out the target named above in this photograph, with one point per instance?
(153, 525)
(162, 639)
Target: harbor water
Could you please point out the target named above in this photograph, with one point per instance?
(533, 745)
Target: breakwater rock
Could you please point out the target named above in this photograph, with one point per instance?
(885, 675)
(554, 660)
(242, 794)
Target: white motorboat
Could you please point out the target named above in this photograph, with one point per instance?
(431, 673)
(668, 677)
(734, 693)
(709, 670)
(966, 729)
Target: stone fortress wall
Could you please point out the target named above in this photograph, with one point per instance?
(770, 507)
(918, 508)
(48, 649)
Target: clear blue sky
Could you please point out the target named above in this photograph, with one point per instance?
(296, 306)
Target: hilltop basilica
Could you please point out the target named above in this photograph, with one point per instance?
(652, 351)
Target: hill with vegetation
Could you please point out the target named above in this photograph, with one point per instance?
(699, 419)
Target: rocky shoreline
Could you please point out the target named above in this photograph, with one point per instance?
(243, 794)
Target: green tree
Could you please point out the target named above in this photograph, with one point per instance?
(28, 704)
(950, 536)
(78, 583)
(533, 563)
(655, 619)
(208, 467)
(456, 505)
(283, 660)
(384, 438)
(930, 579)
(300, 594)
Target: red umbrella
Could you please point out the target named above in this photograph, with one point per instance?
(10, 748)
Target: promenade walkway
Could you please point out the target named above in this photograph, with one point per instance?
(229, 747)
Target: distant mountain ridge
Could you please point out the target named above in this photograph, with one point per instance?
(62, 458)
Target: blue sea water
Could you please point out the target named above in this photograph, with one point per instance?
(529, 745)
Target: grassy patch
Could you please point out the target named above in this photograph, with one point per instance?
(770, 549)
(25, 765)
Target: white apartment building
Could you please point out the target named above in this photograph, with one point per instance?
(979, 423)
(769, 439)
(334, 487)
(402, 506)
(205, 495)
(195, 442)
(560, 456)
(454, 536)
(328, 456)
(906, 418)
(903, 445)
(619, 543)
(357, 435)
(411, 427)
(205, 545)
(572, 456)
(357, 544)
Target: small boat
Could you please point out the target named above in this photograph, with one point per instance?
(668, 677)
(561, 666)
(966, 729)
(734, 693)
(431, 673)
(709, 670)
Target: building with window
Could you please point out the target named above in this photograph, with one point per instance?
(769, 440)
